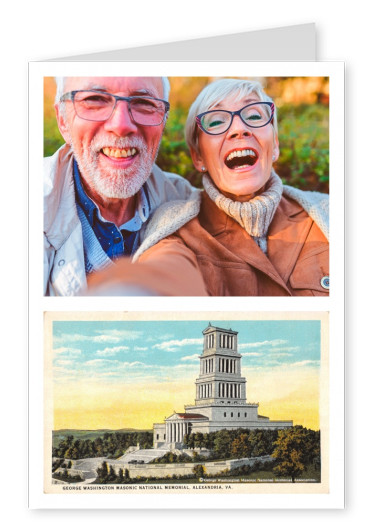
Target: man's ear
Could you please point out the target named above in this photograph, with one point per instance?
(62, 125)
(197, 160)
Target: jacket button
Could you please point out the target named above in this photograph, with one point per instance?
(325, 282)
(61, 262)
(117, 239)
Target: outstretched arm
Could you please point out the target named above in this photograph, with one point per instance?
(166, 269)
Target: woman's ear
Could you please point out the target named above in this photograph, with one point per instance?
(197, 160)
(62, 124)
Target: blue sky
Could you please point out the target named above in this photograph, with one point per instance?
(116, 374)
(114, 350)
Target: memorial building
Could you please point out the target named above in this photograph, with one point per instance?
(221, 401)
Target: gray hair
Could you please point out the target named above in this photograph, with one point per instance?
(216, 92)
(60, 84)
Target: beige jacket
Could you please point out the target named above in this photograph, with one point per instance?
(64, 266)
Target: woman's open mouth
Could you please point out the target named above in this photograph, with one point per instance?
(241, 158)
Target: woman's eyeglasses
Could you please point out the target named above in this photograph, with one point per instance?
(254, 115)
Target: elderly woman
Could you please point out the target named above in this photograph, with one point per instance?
(246, 234)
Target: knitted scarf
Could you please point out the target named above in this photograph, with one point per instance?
(255, 215)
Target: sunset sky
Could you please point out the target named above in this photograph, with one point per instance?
(130, 374)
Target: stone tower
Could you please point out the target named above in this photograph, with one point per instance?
(220, 401)
(220, 379)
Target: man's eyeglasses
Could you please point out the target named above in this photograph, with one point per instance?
(253, 115)
(98, 106)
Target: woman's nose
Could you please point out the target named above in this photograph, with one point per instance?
(120, 121)
(238, 128)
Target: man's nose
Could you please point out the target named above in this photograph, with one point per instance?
(120, 121)
(238, 128)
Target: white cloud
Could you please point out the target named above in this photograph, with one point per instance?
(267, 343)
(100, 361)
(280, 355)
(193, 357)
(140, 348)
(132, 364)
(304, 363)
(112, 351)
(253, 354)
(121, 335)
(100, 336)
(174, 344)
(66, 351)
(71, 338)
(64, 362)
(284, 349)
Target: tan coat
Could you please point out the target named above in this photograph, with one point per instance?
(213, 255)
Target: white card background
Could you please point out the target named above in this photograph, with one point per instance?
(35, 32)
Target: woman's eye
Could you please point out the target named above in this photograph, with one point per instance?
(254, 116)
(215, 123)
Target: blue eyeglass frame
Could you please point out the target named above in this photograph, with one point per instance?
(71, 95)
(236, 113)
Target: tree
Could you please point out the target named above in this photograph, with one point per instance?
(294, 449)
(191, 440)
(208, 441)
(112, 475)
(241, 446)
(199, 440)
(198, 471)
(222, 444)
(102, 471)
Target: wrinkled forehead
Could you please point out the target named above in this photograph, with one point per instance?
(125, 86)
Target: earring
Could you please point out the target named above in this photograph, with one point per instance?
(203, 168)
(273, 158)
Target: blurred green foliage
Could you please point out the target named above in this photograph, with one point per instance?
(304, 146)
(303, 141)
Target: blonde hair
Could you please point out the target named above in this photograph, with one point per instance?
(216, 92)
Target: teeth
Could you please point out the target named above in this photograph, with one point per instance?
(241, 153)
(119, 153)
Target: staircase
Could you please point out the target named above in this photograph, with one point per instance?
(142, 455)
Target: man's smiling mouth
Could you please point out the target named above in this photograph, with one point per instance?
(241, 158)
(119, 153)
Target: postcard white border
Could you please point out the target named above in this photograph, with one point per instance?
(333, 304)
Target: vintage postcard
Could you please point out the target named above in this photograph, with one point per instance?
(188, 404)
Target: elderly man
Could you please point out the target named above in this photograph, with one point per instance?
(102, 186)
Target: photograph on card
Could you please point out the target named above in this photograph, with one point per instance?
(190, 403)
(186, 186)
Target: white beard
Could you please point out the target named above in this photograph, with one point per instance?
(115, 183)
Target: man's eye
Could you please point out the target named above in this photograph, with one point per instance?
(140, 104)
(95, 99)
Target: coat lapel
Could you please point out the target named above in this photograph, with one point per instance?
(287, 234)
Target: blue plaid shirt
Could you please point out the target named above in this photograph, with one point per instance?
(115, 241)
